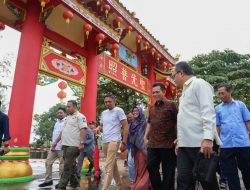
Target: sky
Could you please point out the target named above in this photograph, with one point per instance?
(196, 26)
(185, 27)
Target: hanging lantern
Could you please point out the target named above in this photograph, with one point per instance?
(62, 85)
(152, 50)
(107, 9)
(146, 45)
(138, 38)
(129, 29)
(165, 64)
(115, 47)
(158, 57)
(166, 84)
(100, 37)
(61, 95)
(43, 3)
(174, 90)
(2, 26)
(87, 28)
(119, 20)
(68, 16)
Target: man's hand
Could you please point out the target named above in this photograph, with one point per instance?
(123, 147)
(207, 148)
(176, 146)
(81, 147)
(53, 146)
(145, 142)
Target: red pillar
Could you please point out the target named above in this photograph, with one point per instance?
(88, 102)
(24, 85)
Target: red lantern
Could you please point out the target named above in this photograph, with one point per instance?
(115, 47)
(146, 44)
(170, 66)
(61, 94)
(100, 37)
(165, 64)
(166, 84)
(138, 39)
(2, 26)
(152, 50)
(129, 29)
(68, 16)
(119, 20)
(158, 57)
(174, 90)
(62, 85)
(107, 9)
(43, 3)
(87, 28)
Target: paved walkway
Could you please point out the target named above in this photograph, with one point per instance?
(87, 183)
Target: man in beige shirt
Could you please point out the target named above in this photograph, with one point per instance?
(72, 138)
(195, 125)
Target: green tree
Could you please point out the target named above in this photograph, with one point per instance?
(126, 97)
(5, 81)
(44, 125)
(225, 67)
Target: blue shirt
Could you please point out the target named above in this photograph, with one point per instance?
(231, 119)
(57, 131)
(89, 140)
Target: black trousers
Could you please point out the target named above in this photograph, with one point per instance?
(185, 163)
(231, 159)
(166, 157)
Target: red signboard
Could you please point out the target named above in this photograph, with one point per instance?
(115, 70)
(63, 67)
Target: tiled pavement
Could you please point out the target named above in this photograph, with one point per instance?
(87, 183)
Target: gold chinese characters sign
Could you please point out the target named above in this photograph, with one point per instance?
(112, 68)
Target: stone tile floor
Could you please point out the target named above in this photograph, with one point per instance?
(87, 183)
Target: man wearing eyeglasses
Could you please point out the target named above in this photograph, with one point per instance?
(195, 125)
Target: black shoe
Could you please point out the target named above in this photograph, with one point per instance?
(56, 186)
(44, 184)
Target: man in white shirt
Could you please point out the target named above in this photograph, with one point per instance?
(111, 122)
(195, 125)
(57, 152)
(72, 143)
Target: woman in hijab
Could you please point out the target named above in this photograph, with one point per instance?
(136, 133)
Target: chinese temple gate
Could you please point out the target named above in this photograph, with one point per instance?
(75, 40)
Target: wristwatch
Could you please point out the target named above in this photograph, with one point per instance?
(124, 143)
(81, 142)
